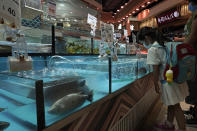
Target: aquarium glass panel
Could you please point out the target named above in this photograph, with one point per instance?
(124, 71)
(17, 102)
(71, 83)
(73, 31)
(38, 39)
(4, 64)
(143, 68)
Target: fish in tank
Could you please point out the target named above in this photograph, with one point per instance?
(69, 102)
(62, 77)
(4, 125)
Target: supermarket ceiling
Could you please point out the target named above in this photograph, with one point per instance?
(114, 5)
(72, 8)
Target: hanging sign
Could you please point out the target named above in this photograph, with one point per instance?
(51, 9)
(168, 17)
(91, 20)
(35, 4)
(11, 11)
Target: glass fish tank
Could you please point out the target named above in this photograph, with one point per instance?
(70, 83)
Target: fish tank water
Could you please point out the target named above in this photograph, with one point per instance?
(75, 81)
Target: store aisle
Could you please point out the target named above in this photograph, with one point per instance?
(158, 114)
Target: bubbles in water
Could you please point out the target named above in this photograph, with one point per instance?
(53, 72)
(19, 74)
(32, 73)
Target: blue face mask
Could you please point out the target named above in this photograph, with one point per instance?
(145, 45)
(192, 8)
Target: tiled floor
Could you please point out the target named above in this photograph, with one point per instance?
(158, 114)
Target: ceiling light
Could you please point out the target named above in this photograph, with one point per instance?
(126, 3)
(115, 13)
(118, 10)
(133, 12)
(143, 6)
(122, 7)
(148, 2)
(123, 18)
(137, 9)
(61, 5)
(68, 24)
(129, 14)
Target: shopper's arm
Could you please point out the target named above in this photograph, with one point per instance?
(178, 39)
(156, 77)
(193, 36)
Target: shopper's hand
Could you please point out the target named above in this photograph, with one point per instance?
(157, 89)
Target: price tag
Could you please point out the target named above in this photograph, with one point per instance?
(132, 27)
(120, 26)
(36, 4)
(125, 33)
(118, 35)
(11, 11)
(92, 20)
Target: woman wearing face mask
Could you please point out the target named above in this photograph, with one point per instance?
(171, 94)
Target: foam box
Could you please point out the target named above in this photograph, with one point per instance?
(17, 65)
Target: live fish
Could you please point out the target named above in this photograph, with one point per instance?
(4, 125)
(69, 102)
(2, 109)
(55, 90)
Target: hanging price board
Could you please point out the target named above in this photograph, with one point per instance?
(91, 20)
(11, 11)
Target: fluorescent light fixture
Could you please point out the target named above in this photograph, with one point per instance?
(61, 5)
